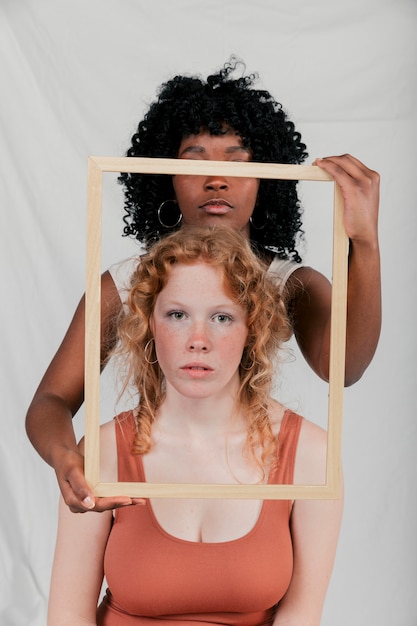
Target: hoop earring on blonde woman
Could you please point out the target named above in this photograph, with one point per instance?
(148, 343)
(165, 206)
(247, 369)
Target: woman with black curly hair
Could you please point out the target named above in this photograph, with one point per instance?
(233, 112)
(221, 118)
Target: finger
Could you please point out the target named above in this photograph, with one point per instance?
(340, 158)
(76, 491)
(105, 504)
(345, 164)
(77, 508)
(81, 490)
(78, 503)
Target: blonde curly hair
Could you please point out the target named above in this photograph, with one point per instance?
(246, 282)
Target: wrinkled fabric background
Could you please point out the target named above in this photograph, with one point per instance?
(75, 79)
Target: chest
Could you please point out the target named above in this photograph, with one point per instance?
(203, 520)
(206, 520)
(248, 574)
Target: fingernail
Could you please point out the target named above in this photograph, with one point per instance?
(89, 502)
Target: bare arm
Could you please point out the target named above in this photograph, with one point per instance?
(315, 526)
(60, 395)
(77, 572)
(311, 292)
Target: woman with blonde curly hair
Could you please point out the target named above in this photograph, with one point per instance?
(199, 330)
(243, 278)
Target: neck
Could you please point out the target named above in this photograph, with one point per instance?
(198, 417)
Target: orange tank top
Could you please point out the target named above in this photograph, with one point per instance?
(156, 578)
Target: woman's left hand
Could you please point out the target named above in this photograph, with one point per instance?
(360, 190)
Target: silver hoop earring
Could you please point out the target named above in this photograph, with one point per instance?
(255, 226)
(164, 206)
(148, 343)
(247, 369)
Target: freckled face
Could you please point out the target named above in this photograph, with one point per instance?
(215, 200)
(200, 333)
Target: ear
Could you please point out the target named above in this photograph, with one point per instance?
(152, 325)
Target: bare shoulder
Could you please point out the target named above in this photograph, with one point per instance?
(109, 291)
(108, 435)
(108, 452)
(310, 463)
(305, 278)
(108, 456)
(276, 414)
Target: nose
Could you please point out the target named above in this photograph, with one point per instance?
(216, 183)
(198, 340)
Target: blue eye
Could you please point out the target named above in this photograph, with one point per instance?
(222, 318)
(177, 315)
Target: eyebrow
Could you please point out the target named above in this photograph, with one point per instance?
(219, 306)
(197, 149)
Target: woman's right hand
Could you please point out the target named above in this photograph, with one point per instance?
(77, 493)
(58, 398)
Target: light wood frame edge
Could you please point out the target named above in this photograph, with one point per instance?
(331, 489)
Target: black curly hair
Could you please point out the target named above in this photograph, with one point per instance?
(185, 106)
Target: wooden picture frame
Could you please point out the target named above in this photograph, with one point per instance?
(331, 488)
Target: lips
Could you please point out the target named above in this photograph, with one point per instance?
(197, 370)
(197, 366)
(216, 206)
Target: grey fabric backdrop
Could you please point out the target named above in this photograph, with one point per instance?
(75, 79)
